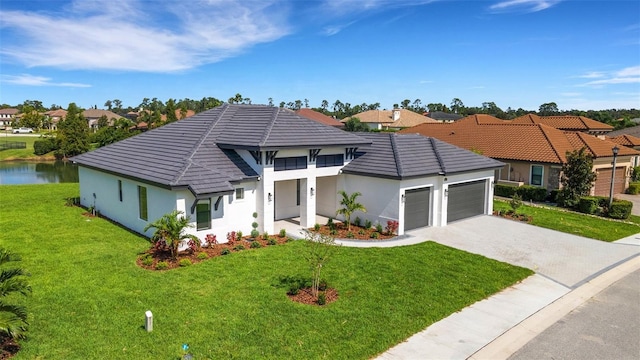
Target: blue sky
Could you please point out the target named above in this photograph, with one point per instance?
(516, 53)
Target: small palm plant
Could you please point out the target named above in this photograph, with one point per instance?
(13, 318)
(170, 231)
(350, 205)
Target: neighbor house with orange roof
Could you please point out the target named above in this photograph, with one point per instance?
(320, 117)
(533, 153)
(567, 123)
(395, 119)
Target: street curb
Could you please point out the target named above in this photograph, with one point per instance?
(513, 339)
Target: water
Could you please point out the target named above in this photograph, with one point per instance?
(30, 172)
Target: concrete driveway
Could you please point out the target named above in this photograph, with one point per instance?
(569, 260)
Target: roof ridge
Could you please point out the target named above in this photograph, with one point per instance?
(194, 150)
(396, 155)
(267, 132)
(437, 153)
(586, 144)
(543, 129)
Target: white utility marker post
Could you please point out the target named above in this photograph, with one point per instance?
(148, 322)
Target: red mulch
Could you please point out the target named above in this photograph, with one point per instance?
(358, 232)
(8, 347)
(304, 296)
(513, 216)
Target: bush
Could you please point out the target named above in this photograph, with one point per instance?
(225, 251)
(316, 227)
(231, 237)
(379, 227)
(620, 209)
(255, 245)
(239, 247)
(282, 233)
(44, 146)
(367, 224)
(322, 299)
(331, 224)
(553, 195)
(239, 235)
(533, 193)
(162, 265)
(357, 221)
(203, 256)
(361, 232)
(147, 261)
(185, 263)
(588, 204)
(635, 174)
(265, 236)
(504, 190)
(350, 235)
(634, 188)
(515, 203)
(333, 232)
(375, 235)
(255, 234)
(392, 227)
(272, 241)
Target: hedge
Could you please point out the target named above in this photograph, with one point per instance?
(620, 209)
(504, 190)
(534, 193)
(41, 147)
(588, 204)
(634, 188)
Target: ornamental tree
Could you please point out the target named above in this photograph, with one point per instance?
(577, 177)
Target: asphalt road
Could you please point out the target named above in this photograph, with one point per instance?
(607, 326)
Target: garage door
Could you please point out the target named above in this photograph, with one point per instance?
(465, 200)
(416, 208)
(603, 182)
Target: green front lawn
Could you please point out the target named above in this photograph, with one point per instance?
(89, 297)
(575, 223)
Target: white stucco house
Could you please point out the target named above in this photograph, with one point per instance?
(222, 165)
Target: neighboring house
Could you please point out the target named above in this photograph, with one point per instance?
(533, 153)
(320, 117)
(7, 116)
(443, 116)
(53, 117)
(566, 123)
(391, 119)
(179, 116)
(629, 141)
(633, 131)
(222, 165)
(93, 115)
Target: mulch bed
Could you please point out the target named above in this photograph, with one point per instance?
(356, 233)
(305, 296)
(513, 216)
(8, 347)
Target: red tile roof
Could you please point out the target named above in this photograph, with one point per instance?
(625, 140)
(319, 117)
(572, 123)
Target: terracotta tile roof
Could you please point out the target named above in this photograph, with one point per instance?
(599, 148)
(8, 111)
(385, 117)
(572, 123)
(507, 141)
(625, 140)
(60, 113)
(163, 117)
(482, 119)
(319, 117)
(98, 113)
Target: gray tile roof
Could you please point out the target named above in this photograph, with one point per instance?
(399, 156)
(634, 131)
(197, 152)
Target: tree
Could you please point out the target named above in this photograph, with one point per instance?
(350, 205)
(73, 132)
(319, 249)
(577, 177)
(170, 232)
(103, 121)
(31, 117)
(354, 124)
(170, 110)
(13, 318)
(236, 99)
(108, 104)
(324, 105)
(457, 106)
(548, 109)
(270, 101)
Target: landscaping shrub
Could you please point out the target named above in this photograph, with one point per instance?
(515, 203)
(147, 261)
(239, 247)
(588, 204)
(357, 221)
(239, 235)
(553, 195)
(504, 190)
(203, 256)
(392, 227)
(620, 209)
(225, 251)
(367, 224)
(265, 236)
(634, 188)
(255, 233)
(255, 245)
(531, 193)
(350, 235)
(272, 241)
(44, 146)
(231, 237)
(282, 233)
(375, 235)
(322, 299)
(635, 174)
(316, 227)
(379, 227)
(185, 263)
(361, 232)
(162, 265)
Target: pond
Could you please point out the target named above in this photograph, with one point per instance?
(31, 172)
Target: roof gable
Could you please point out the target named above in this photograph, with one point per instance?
(406, 118)
(319, 117)
(567, 122)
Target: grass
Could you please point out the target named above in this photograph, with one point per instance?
(576, 223)
(22, 154)
(89, 297)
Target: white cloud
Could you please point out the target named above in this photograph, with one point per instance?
(628, 75)
(33, 80)
(342, 7)
(523, 5)
(334, 29)
(592, 75)
(121, 35)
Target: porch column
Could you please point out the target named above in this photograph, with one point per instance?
(268, 198)
(308, 192)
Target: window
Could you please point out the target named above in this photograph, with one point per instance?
(120, 190)
(239, 193)
(290, 163)
(297, 191)
(536, 175)
(330, 160)
(142, 202)
(203, 215)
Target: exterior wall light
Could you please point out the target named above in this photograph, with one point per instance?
(269, 197)
(312, 191)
